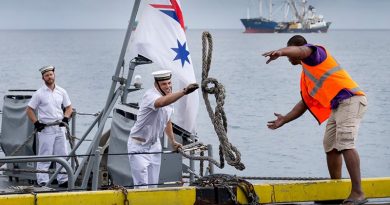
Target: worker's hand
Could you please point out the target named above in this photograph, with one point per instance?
(273, 55)
(275, 124)
(39, 126)
(64, 121)
(176, 145)
(190, 88)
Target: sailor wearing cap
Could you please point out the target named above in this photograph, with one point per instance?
(153, 119)
(48, 102)
(45, 69)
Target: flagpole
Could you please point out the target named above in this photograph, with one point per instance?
(110, 101)
(115, 78)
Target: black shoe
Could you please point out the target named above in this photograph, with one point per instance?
(42, 184)
(63, 185)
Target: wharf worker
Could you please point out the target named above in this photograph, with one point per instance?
(153, 118)
(328, 92)
(48, 102)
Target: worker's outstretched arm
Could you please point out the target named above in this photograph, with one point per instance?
(296, 52)
(296, 112)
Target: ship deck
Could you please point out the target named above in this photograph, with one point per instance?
(377, 191)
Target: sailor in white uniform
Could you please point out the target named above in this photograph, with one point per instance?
(48, 102)
(154, 117)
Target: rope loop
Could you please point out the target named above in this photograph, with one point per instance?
(210, 85)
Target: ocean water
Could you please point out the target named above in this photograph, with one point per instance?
(85, 60)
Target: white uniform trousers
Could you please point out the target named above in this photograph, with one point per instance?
(145, 168)
(51, 141)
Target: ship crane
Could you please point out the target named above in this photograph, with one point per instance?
(296, 12)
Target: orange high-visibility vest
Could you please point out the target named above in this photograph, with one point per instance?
(321, 83)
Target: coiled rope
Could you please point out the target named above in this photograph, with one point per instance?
(226, 150)
(228, 181)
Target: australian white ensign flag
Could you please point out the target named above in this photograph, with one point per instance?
(160, 37)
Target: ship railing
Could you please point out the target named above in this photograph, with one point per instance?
(190, 168)
(60, 160)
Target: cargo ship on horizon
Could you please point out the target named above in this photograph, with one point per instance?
(304, 19)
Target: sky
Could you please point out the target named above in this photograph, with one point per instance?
(198, 14)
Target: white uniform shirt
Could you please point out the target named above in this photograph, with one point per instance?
(151, 121)
(48, 103)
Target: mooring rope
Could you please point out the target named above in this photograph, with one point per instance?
(196, 147)
(284, 178)
(124, 192)
(227, 151)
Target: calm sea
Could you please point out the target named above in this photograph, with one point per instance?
(86, 60)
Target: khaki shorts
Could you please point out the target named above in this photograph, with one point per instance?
(343, 124)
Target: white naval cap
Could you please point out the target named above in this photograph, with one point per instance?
(44, 69)
(162, 75)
